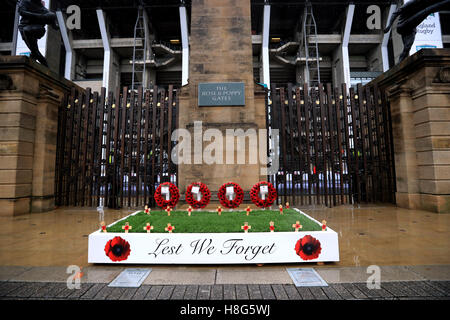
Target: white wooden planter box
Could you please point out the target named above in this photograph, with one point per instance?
(213, 248)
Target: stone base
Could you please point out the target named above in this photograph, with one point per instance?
(14, 207)
(428, 202)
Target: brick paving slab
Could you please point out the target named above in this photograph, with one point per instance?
(104, 293)
(191, 292)
(29, 289)
(340, 289)
(217, 292)
(75, 293)
(92, 291)
(9, 286)
(242, 292)
(373, 293)
(54, 289)
(128, 293)
(43, 291)
(254, 292)
(178, 292)
(153, 293)
(421, 288)
(394, 289)
(229, 292)
(141, 292)
(305, 293)
(267, 292)
(318, 293)
(292, 292)
(279, 292)
(331, 293)
(442, 286)
(204, 292)
(354, 291)
(116, 293)
(166, 293)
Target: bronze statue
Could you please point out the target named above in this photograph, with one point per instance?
(32, 25)
(410, 15)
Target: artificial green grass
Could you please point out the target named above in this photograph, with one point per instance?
(211, 222)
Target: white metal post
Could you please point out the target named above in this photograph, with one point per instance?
(106, 47)
(185, 46)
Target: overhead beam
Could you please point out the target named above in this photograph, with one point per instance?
(385, 41)
(265, 46)
(15, 31)
(106, 47)
(185, 46)
(67, 45)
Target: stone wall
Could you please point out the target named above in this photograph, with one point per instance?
(30, 95)
(419, 93)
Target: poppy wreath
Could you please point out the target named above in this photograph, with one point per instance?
(308, 248)
(117, 249)
(206, 196)
(239, 195)
(270, 197)
(174, 196)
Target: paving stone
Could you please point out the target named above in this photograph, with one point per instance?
(305, 293)
(395, 290)
(204, 292)
(267, 292)
(166, 293)
(141, 292)
(373, 293)
(318, 293)
(340, 289)
(54, 289)
(229, 292)
(74, 293)
(29, 289)
(331, 293)
(292, 292)
(92, 291)
(153, 293)
(128, 293)
(43, 291)
(442, 286)
(406, 287)
(421, 289)
(354, 291)
(242, 292)
(437, 290)
(279, 292)
(178, 292)
(116, 293)
(217, 292)
(254, 292)
(191, 292)
(104, 293)
(7, 287)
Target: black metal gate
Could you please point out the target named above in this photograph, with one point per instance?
(335, 145)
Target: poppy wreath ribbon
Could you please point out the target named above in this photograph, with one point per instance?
(206, 195)
(174, 196)
(239, 195)
(270, 197)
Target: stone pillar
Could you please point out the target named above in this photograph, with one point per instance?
(30, 95)
(418, 90)
(221, 51)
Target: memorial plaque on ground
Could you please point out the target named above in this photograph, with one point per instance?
(131, 278)
(221, 94)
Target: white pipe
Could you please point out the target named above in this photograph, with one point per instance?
(265, 46)
(106, 48)
(384, 43)
(67, 45)
(185, 46)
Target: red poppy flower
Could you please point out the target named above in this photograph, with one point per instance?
(239, 195)
(270, 197)
(272, 228)
(117, 249)
(308, 248)
(206, 195)
(174, 196)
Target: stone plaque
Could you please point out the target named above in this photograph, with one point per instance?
(221, 94)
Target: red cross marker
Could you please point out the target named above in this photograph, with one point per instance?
(297, 226)
(127, 227)
(219, 210)
(248, 210)
(324, 225)
(189, 210)
(287, 205)
(103, 226)
(272, 226)
(246, 227)
(148, 227)
(147, 210)
(169, 228)
(168, 210)
(281, 208)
